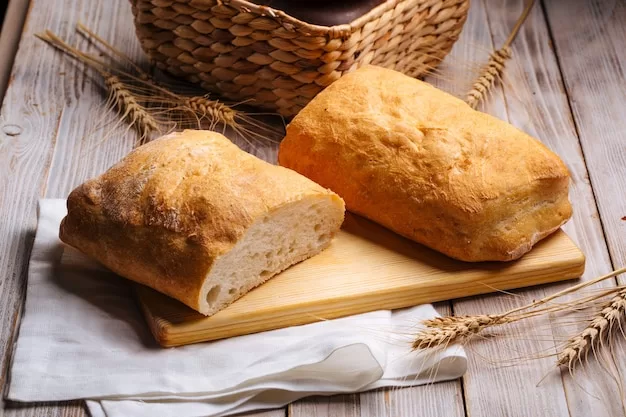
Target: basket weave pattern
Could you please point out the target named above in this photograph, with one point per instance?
(245, 51)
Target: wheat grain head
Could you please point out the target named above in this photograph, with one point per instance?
(599, 329)
(129, 108)
(442, 331)
(490, 73)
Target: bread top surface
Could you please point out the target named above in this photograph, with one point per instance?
(193, 183)
(170, 208)
(386, 142)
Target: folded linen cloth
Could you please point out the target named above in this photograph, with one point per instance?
(83, 336)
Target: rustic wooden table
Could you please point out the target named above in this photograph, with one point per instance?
(565, 85)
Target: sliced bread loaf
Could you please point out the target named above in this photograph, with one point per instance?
(196, 218)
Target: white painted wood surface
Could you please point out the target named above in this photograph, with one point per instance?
(564, 83)
(593, 63)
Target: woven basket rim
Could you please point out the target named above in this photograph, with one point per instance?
(291, 23)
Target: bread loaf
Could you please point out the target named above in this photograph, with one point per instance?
(194, 217)
(424, 164)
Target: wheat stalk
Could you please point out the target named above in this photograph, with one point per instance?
(150, 106)
(598, 330)
(200, 106)
(198, 109)
(494, 68)
(86, 32)
(120, 97)
(442, 331)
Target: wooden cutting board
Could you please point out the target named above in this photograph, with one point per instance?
(366, 268)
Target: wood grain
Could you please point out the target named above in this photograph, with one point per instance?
(535, 101)
(28, 128)
(48, 409)
(443, 399)
(345, 279)
(593, 63)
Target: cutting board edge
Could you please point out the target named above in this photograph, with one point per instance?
(172, 335)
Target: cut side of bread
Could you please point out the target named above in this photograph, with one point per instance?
(194, 217)
(283, 238)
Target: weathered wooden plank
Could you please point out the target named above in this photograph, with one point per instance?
(28, 127)
(427, 400)
(48, 409)
(281, 412)
(590, 42)
(592, 57)
(536, 102)
(347, 405)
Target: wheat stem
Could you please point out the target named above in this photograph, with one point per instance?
(519, 23)
(495, 66)
(151, 106)
(568, 290)
(85, 31)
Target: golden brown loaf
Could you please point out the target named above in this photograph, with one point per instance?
(193, 216)
(424, 164)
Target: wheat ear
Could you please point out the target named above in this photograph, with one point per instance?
(213, 110)
(597, 331)
(442, 331)
(495, 66)
(134, 113)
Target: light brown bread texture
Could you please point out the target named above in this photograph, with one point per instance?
(194, 217)
(424, 164)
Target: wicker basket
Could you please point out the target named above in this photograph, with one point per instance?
(249, 52)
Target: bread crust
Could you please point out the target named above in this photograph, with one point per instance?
(424, 164)
(164, 214)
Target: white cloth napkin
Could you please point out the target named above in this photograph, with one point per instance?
(83, 336)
